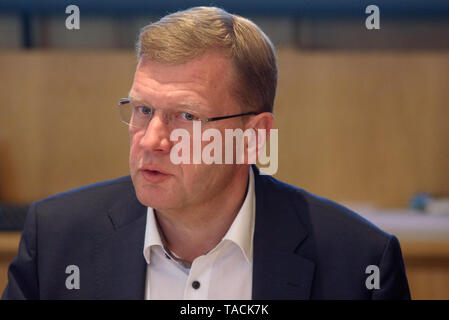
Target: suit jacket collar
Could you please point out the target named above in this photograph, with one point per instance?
(283, 250)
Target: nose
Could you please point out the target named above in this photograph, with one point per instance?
(156, 137)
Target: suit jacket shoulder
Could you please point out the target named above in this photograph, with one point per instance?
(338, 244)
(82, 228)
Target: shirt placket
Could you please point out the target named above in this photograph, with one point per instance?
(198, 281)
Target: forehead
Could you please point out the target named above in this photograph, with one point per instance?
(211, 66)
(201, 80)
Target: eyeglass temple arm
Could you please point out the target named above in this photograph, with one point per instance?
(124, 101)
(233, 116)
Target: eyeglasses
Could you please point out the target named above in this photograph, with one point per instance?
(138, 116)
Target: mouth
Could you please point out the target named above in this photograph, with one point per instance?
(154, 176)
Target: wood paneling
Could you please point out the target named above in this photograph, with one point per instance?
(60, 126)
(427, 265)
(364, 126)
(352, 126)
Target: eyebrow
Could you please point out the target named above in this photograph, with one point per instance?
(190, 105)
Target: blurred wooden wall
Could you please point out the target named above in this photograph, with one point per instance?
(352, 126)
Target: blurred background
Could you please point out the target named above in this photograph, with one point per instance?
(363, 115)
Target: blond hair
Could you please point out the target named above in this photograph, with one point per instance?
(184, 35)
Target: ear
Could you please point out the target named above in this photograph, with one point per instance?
(261, 125)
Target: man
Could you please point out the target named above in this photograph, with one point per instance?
(200, 231)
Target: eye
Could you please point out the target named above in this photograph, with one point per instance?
(187, 116)
(144, 110)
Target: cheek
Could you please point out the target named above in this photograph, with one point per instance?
(199, 177)
(190, 175)
(133, 148)
(134, 136)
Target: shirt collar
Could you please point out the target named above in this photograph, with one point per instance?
(241, 231)
(152, 236)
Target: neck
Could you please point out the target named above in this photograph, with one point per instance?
(193, 232)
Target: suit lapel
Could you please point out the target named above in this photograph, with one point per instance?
(120, 265)
(283, 251)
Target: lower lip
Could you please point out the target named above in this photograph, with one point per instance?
(154, 176)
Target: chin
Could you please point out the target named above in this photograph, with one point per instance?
(157, 199)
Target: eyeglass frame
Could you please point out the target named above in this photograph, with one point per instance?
(124, 101)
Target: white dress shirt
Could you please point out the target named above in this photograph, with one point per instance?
(225, 272)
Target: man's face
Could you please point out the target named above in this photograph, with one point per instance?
(202, 85)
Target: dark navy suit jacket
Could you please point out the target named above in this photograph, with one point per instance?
(305, 247)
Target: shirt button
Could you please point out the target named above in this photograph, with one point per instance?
(195, 284)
